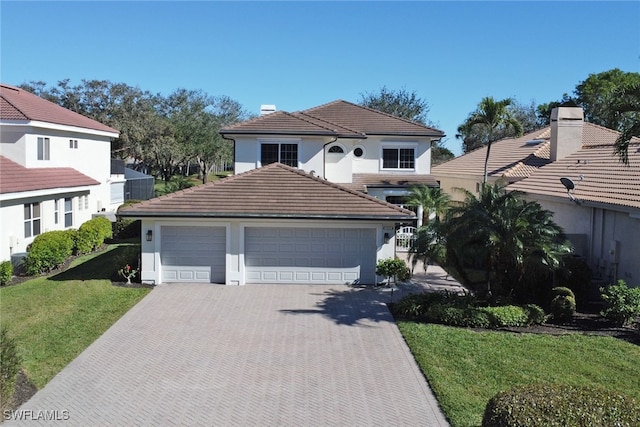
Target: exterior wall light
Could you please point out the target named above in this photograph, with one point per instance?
(387, 237)
(149, 235)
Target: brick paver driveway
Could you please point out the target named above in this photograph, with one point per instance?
(256, 355)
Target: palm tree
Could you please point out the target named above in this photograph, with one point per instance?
(493, 114)
(431, 199)
(626, 103)
(506, 234)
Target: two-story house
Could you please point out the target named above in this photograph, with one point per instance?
(357, 147)
(55, 169)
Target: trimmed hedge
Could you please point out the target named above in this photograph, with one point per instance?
(552, 405)
(49, 250)
(456, 310)
(6, 272)
(92, 234)
(125, 228)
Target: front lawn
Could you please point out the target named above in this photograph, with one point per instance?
(54, 318)
(465, 368)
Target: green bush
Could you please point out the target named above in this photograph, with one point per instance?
(125, 228)
(393, 268)
(562, 291)
(10, 363)
(622, 303)
(561, 406)
(576, 275)
(92, 234)
(6, 272)
(507, 316)
(535, 314)
(49, 250)
(563, 307)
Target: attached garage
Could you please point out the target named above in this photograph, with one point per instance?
(193, 254)
(310, 255)
(275, 224)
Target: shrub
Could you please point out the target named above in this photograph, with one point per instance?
(622, 303)
(506, 316)
(576, 275)
(92, 234)
(49, 250)
(563, 307)
(393, 268)
(562, 291)
(560, 405)
(10, 363)
(6, 272)
(535, 314)
(125, 228)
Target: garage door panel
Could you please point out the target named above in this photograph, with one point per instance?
(193, 254)
(315, 255)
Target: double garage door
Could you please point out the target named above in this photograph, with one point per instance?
(272, 255)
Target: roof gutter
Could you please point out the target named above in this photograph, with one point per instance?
(142, 215)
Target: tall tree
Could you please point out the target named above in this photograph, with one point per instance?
(432, 200)
(625, 105)
(494, 116)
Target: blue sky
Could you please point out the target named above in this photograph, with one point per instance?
(298, 55)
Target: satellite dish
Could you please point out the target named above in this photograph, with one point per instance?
(568, 184)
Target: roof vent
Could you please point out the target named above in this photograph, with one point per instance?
(267, 109)
(534, 142)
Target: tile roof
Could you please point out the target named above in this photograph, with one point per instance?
(514, 159)
(273, 191)
(362, 181)
(18, 104)
(15, 178)
(338, 118)
(604, 178)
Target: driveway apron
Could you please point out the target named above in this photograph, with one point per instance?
(255, 355)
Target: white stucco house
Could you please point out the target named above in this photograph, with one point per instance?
(272, 224)
(358, 147)
(55, 170)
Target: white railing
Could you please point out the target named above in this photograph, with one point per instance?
(405, 237)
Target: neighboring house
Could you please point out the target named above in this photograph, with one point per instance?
(514, 159)
(357, 147)
(274, 224)
(55, 169)
(601, 215)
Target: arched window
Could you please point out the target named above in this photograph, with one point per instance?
(336, 149)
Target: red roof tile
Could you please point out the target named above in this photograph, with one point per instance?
(273, 191)
(362, 181)
(338, 118)
(15, 178)
(18, 104)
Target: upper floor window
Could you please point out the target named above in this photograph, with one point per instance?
(44, 148)
(284, 153)
(336, 149)
(398, 158)
(73, 143)
(31, 219)
(56, 211)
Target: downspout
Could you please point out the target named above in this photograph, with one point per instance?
(324, 157)
(234, 151)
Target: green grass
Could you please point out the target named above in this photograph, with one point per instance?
(53, 319)
(466, 368)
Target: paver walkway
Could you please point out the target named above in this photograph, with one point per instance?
(256, 355)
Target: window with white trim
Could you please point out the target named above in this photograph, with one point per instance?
(31, 219)
(73, 143)
(44, 148)
(56, 211)
(284, 153)
(68, 212)
(336, 149)
(398, 158)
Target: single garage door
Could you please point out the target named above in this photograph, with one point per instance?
(310, 255)
(193, 254)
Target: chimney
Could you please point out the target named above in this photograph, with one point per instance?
(566, 131)
(267, 109)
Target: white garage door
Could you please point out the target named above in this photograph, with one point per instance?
(310, 255)
(193, 254)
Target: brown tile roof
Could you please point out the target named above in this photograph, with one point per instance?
(362, 181)
(510, 158)
(15, 178)
(604, 178)
(18, 104)
(337, 118)
(273, 191)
